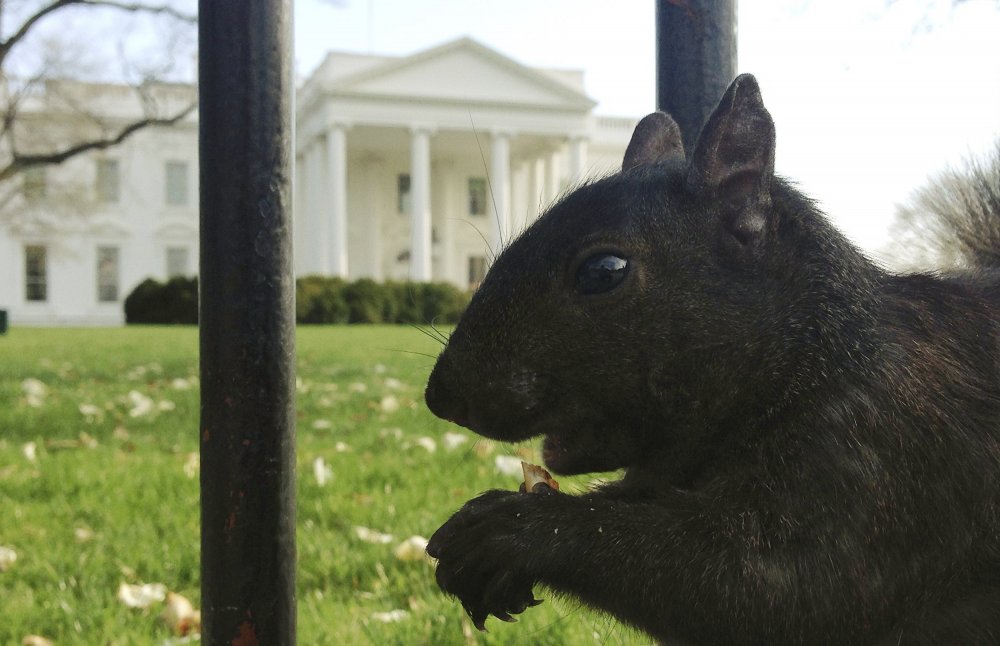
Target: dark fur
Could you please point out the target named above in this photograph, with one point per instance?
(811, 445)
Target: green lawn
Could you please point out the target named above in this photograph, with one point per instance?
(99, 487)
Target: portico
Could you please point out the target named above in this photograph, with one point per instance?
(420, 168)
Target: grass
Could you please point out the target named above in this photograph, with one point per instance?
(110, 493)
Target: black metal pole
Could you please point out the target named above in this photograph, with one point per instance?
(247, 323)
(695, 60)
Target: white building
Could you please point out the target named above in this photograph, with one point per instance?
(407, 168)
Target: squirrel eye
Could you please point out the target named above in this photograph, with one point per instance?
(600, 273)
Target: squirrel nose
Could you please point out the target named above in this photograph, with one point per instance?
(443, 402)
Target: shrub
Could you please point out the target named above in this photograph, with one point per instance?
(173, 302)
(320, 299)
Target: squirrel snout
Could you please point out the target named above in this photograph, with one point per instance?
(443, 402)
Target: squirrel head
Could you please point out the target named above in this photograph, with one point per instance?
(630, 315)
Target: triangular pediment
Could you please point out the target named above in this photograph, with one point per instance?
(463, 71)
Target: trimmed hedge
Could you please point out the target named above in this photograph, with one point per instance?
(318, 300)
(173, 302)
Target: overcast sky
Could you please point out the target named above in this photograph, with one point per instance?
(869, 96)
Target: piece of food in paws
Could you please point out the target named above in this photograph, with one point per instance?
(534, 475)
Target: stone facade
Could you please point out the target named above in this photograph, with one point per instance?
(407, 168)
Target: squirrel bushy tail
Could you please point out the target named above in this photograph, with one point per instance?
(954, 221)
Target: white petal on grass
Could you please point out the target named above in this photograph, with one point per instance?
(192, 465)
(322, 471)
(141, 404)
(141, 595)
(394, 384)
(322, 424)
(341, 447)
(7, 558)
(391, 616)
(181, 384)
(91, 412)
(427, 443)
(180, 616)
(34, 391)
(36, 640)
(452, 440)
(372, 536)
(508, 465)
(32, 387)
(166, 404)
(412, 549)
(357, 387)
(389, 404)
(83, 534)
(30, 451)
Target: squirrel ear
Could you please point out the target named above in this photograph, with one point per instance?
(656, 138)
(733, 161)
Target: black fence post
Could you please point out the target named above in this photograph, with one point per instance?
(695, 60)
(247, 293)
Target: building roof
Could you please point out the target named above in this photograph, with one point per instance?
(461, 70)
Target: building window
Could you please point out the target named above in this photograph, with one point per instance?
(36, 275)
(403, 193)
(108, 181)
(177, 261)
(33, 183)
(177, 183)
(107, 274)
(477, 196)
(477, 271)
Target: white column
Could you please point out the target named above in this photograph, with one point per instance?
(317, 209)
(299, 237)
(373, 217)
(420, 205)
(500, 186)
(537, 200)
(577, 159)
(553, 179)
(336, 163)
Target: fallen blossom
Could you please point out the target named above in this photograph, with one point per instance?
(412, 549)
(426, 443)
(357, 387)
(389, 404)
(165, 405)
(7, 558)
(36, 640)
(394, 384)
(322, 471)
(91, 412)
(180, 616)
(192, 465)
(452, 440)
(34, 391)
(141, 404)
(341, 447)
(379, 369)
(30, 451)
(372, 536)
(142, 595)
(391, 616)
(83, 534)
(322, 424)
(508, 465)
(181, 384)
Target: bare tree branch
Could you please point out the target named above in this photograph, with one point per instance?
(21, 162)
(29, 22)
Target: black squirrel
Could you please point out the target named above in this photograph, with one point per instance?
(810, 445)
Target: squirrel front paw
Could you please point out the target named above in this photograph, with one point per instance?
(487, 555)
